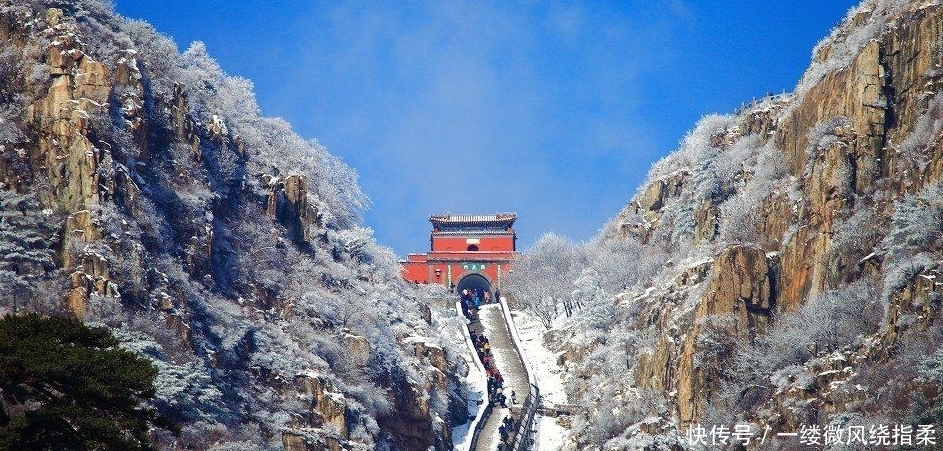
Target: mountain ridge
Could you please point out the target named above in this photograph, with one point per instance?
(158, 202)
(777, 271)
(786, 257)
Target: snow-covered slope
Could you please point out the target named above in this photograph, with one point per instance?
(778, 271)
(140, 188)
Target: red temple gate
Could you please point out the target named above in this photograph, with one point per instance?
(465, 250)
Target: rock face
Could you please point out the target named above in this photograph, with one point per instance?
(659, 369)
(412, 405)
(738, 304)
(743, 286)
(177, 234)
(326, 405)
(79, 90)
(288, 203)
(66, 159)
(827, 176)
(648, 205)
(857, 92)
(359, 347)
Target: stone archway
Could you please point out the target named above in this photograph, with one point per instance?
(474, 281)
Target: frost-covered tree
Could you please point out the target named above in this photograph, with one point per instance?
(542, 277)
(850, 312)
(916, 223)
(28, 238)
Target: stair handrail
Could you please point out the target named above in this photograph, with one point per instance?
(522, 438)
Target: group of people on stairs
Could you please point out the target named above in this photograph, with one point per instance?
(471, 301)
(496, 394)
(507, 431)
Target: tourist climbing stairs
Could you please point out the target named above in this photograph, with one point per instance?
(506, 426)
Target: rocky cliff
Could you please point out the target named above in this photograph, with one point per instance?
(141, 189)
(798, 245)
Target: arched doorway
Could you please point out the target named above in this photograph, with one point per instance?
(474, 282)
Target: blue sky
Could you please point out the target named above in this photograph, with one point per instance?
(554, 110)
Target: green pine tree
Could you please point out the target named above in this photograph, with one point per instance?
(66, 386)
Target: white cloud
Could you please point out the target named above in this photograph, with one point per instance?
(466, 106)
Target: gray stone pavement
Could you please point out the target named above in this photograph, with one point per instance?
(491, 323)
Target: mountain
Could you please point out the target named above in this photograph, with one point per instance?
(779, 271)
(776, 274)
(141, 189)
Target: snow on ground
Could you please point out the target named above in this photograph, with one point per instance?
(474, 388)
(550, 435)
(541, 360)
(497, 415)
(505, 356)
